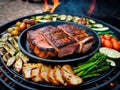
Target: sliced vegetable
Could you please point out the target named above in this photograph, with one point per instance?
(105, 32)
(76, 18)
(39, 18)
(91, 21)
(111, 53)
(47, 17)
(54, 18)
(43, 21)
(97, 25)
(101, 29)
(112, 63)
(62, 17)
(69, 18)
(90, 75)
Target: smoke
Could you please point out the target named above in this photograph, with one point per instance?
(74, 6)
(103, 8)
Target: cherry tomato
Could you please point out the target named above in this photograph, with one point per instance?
(108, 43)
(102, 41)
(107, 36)
(113, 39)
(116, 46)
(101, 36)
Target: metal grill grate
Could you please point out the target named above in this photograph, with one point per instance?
(14, 80)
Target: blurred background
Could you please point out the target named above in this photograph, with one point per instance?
(106, 10)
(12, 9)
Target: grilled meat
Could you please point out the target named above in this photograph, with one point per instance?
(51, 77)
(35, 73)
(39, 45)
(44, 73)
(27, 70)
(69, 76)
(18, 65)
(81, 36)
(62, 40)
(57, 76)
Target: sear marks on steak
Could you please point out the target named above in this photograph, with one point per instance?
(81, 36)
(62, 40)
(39, 44)
(63, 43)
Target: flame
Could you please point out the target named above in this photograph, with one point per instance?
(55, 4)
(46, 6)
(92, 6)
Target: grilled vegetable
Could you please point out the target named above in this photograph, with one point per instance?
(112, 63)
(6, 56)
(97, 25)
(62, 17)
(93, 67)
(101, 29)
(105, 32)
(69, 18)
(10, 61)
(91, 21)
(47, 17)
(111, 53)
(76, 18)
(10, 52)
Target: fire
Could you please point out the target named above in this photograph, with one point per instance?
(55, 4)
(92, 6)
(46, 6)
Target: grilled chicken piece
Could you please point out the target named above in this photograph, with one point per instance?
(35, 73)
(69, 77)
(68, 68)
(51, 77)
(27, 69)
(10, 61)
(58, 75)
(18, 65)
(43, 73)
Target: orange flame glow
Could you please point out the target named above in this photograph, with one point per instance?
(46, 6)
(92, 6)
(55, 4)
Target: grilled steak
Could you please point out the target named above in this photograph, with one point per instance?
(39, 45)
(62, 40)
(81, 36)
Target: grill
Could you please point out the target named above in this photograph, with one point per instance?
(10, 79)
